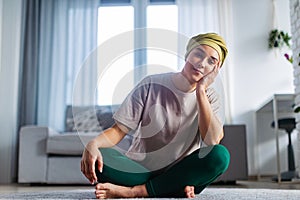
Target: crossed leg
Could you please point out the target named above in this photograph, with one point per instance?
(135, 181)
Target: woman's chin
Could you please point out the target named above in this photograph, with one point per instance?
(196, 79)
(193, 77)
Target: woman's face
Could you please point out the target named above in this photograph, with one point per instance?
(201, 60)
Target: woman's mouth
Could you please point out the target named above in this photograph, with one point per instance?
(197, 70)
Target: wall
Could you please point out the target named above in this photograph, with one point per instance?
(258, 73)
(10, 28)
(295, 26)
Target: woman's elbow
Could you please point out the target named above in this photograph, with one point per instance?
(214, 140)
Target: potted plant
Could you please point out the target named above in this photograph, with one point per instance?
(279, 39)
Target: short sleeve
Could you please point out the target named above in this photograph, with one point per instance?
(130, 112)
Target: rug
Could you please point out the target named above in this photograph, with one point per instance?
(207, 194)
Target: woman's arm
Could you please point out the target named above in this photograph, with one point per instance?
(91, 153)
(211, 129)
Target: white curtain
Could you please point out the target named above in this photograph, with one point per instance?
(68, 35)
(201, 16)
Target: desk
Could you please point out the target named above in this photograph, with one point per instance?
(279, 105)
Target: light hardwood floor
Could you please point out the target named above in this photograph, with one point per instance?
(11, 188)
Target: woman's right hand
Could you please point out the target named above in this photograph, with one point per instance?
(90, 156)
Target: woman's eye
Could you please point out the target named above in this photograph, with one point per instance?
(199, 55)
(211, 62)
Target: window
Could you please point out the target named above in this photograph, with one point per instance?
(109, 26)
(163, 17)
(120, 76)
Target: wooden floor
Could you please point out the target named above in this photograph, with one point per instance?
(263, 183)
(29, 188)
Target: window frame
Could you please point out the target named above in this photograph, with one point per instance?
(140, 23)
(140, 8)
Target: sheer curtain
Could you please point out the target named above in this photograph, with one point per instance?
(201, 16)
(58, 36)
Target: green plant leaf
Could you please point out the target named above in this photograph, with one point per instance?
(278, 39)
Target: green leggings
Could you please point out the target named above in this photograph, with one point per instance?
(198, 169)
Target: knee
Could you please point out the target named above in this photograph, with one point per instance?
(219, 158)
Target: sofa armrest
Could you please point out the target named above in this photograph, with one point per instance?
(32, 154)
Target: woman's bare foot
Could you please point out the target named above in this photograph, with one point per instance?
(108, 190)
(189, 191)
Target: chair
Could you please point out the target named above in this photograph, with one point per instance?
(288, 124)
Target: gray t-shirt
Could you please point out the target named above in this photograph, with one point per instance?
(164, 121)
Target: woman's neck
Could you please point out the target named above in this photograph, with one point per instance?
(182, 84)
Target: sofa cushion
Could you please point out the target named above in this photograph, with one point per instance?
(71, 143)
(89, 118)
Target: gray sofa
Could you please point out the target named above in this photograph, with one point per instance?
(47, 156)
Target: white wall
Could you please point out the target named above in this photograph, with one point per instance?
(258, 72)
(10, 28)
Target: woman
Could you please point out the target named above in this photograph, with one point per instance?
(175, 122)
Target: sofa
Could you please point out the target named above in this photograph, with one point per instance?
(50, 157)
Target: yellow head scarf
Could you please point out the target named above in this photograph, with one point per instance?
(211, 39)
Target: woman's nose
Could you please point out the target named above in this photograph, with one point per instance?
(202, 63)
